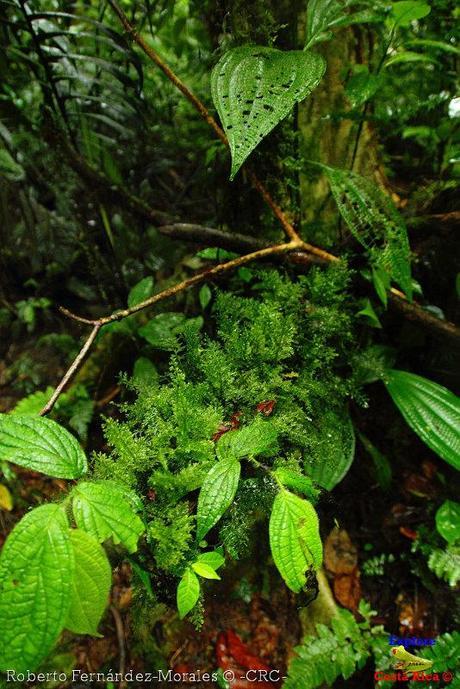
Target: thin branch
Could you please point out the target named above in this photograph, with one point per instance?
(121, 645)
(165, 294)
(72, 370)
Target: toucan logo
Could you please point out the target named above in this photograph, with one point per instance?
(409, 662)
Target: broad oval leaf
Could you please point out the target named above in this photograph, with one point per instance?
(91, 582)
(254, 88)
(214, 559)
(36, 567)
(333, 449)
(188, 593)
(41, 445)
(104, 509)
(141, 291)
(448, 521)
(294, 538)
(430, 409)
(216, 494)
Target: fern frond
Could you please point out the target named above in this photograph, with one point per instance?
(446, 564)
(374, 222)
(336, 651)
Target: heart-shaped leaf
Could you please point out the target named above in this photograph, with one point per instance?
(254, 88)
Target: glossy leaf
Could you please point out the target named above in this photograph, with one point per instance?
(448, 521)
(216, 494)
(91, 582)
(294, 538)
(254, 88)
(41, 445)
(104, 509)
(431, 410)
(188, 593)
(36, 568)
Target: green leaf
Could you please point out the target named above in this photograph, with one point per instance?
(406, 11)
(36, 566)
(205, 296)
(41, 445)
(368, 312)
(216, 494)
(205, 570)
(161, 332)
(294, 538)
(431, 410)
(333, 449)
(298, 482)
(381, 281)
(362, 86)
(33, 403)
(214, 559)
(254, 88)
(188, 593)
(382, 466)
(323, 15)
(408, 56)
(104, 509)
(375, 223)
(144, 371)
(9, 168)
(140, 292)
(91, 582)
(258, 438)
(448, 521)
(436, 45)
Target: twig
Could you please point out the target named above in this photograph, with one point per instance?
(415, 312)
(72, 370)
(121, 644)
(169, 292)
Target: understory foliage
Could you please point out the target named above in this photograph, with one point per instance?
(239, 407)
(276, 366)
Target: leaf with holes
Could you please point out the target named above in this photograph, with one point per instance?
(254, 88)
(90, 584)
(431, 410)
(375, 223)
(36, 566)
(106, 509)
(188, 592)
(41, 445)
(216, 494)
(294, 538)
